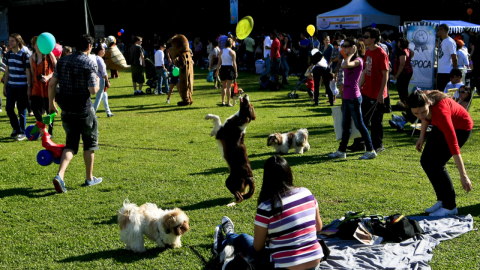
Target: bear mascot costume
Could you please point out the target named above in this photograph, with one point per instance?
(182, 58)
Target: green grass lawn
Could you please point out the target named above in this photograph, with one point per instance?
(155, 152)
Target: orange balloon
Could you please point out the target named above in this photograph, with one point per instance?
(119, 34)
(469, 12)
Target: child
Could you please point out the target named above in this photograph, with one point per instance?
(335, 55)
(333, 85)
(310, 85)
(174, 81)
(455, 80)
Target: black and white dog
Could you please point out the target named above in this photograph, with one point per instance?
(231, 139)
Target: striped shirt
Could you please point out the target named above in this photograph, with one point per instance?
(17, 70)
(292, 234)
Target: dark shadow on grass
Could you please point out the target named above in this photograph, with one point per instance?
(27, 192)
(120, 255)
(177, 108)
(138, 148)
(473, 210)
(207, 204)
(112, 220)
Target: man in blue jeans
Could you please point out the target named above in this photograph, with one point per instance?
(266, 54)
(161, 70)
(17, 82)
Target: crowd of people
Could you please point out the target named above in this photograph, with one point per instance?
(360, 67)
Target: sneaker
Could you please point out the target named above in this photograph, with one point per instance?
(21, 137)
(14, 134)
(227, 225)
(444, 212)
(369, 155)
(356, 147)
(162, 93)
(140, 92)
(218, 238)
(155, 92)
(168, 101)
(135, 93)
(337, 154)
(110, 114)
(93, 182)
(380, 149)
(435, 207)
(59, 184)
(1, 110)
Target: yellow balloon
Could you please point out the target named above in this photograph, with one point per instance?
(311, 30)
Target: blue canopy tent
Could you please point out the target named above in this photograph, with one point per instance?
(455, 27)
(355, 15)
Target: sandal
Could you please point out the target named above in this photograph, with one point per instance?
(230, 105)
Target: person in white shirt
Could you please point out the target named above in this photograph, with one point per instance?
(213, 62)
(103, 80)
(455, 81)
(161, 70)
(447, 56)
(266, 54)
(462, 56)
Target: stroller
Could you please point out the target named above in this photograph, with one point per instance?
(151, 74)
(301, 82)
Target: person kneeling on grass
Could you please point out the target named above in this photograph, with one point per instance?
(452, 126)
(77, 76)
(278, 215)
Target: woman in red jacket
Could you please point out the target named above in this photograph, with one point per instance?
(452, 126)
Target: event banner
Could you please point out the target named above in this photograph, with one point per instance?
(338, 22)
(233, 11)
(422, 42)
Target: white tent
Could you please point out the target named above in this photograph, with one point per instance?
(355, 15)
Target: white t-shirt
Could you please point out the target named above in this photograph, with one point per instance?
(259, 65)
(159, 58)
(268, 42)
(462, 59)
(447, 48)
(215, 52)
(451, 85)
(333, 87)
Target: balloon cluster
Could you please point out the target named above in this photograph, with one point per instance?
(120, 32)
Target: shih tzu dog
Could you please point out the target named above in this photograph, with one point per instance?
(283, 142)
(165, 227)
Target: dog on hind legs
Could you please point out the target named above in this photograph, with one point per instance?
(231, 139)
(165, 227)
(282, 142)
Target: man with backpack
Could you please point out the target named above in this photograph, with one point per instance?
(17, 82)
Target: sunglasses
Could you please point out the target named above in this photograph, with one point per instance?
(365, 36)
(463, 92)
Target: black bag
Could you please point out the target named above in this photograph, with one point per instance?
(399, 228)
(349, 225)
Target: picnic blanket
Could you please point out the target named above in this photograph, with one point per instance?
(414, 253)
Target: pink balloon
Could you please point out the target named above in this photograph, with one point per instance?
(57, 51)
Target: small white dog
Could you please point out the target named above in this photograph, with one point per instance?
(165, 227)
(283, 142)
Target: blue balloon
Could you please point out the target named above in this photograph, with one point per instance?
(374, 25)
(122, 31)
(46, 43)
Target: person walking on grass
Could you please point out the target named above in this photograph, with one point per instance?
(374, 92)
(102, 94)
(228, 70)
(161, 69)
(452, 127)
(137, 62)
(275, 59)
(352, 101)
(77, 77)
(17, 84)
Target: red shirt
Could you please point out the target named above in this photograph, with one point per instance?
(310, 84)
(275, 49)
(374, 63)
(448, 115)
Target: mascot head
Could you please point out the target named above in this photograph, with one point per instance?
(111, 40)
(179, 45)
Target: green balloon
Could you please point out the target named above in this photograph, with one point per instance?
(176, 71)
(46, 43)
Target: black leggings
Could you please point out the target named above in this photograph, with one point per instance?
(40, 105)
(434, 158)
(402, 85)
(321, 72)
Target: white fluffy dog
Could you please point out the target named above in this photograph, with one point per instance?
(165, 227)
(283, 142)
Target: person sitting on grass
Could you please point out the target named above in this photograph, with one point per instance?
(282, 209)
(452, 127)
(464, 96)
(455, 80)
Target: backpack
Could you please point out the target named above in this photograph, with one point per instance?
(399, 228)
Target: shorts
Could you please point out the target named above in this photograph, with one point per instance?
(137, 74)
(275, 67)
(227, 73)
(340, 76)
(85, 124)
(174, 80)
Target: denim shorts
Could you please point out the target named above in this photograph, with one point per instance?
(85, 124)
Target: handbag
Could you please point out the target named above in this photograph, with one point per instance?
(337, 115)
(210, 76)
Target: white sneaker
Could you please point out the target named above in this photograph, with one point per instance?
(155, 92)
(21, 137)
(168, 101)
(337, 154)
(369, 155)
(435, 207)
(444, 212)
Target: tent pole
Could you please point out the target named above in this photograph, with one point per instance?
(86, 17)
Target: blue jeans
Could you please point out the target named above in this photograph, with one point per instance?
(267, 67)
(352, 110)
(243, 243)
(285, 66)
(102, 95)
(19, 96)
(162, 79)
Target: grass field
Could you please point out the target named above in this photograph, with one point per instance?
(160, 153)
